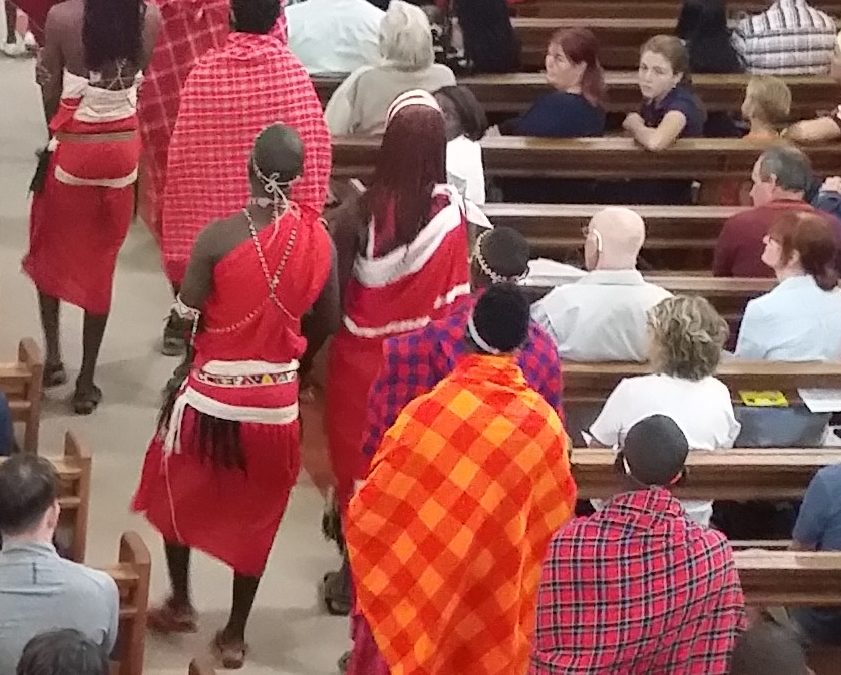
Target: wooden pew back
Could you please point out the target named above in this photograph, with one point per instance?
(131, 573)
(655, 9)
(789, 578)
(21, 382)
(737, 474)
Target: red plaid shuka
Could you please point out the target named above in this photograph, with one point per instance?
(229, 97)
(189, 28)
(637, 589)
(448, 532)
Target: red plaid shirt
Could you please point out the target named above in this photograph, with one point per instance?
(413, 363)
(637, 589)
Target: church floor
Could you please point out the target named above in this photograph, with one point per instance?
(289, 633)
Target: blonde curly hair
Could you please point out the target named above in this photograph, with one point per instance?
(688, 336)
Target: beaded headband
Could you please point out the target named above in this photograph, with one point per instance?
(478, 339)
(495, 277)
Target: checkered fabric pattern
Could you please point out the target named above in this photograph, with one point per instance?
(189, 28)
(447, 533)
(229, 97)
(789, 38)
(415, 362)
(637, 589)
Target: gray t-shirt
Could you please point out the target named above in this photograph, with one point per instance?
(39, 592)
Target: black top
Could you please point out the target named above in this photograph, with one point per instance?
(558, 115)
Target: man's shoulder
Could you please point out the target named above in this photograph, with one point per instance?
(88, 580)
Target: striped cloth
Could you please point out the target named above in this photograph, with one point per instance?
(229, 97)
(448, 532)
(789, 38)
(189, 28)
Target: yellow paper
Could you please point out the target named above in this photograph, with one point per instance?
(764, 399)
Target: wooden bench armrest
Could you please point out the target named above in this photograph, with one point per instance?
(78, 456)
(132, 577)
(31, 356)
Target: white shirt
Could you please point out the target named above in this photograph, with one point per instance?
(600, 317)
(789, 38)
(335, 36)
(796, 321)
(702, 409)
(465, 170)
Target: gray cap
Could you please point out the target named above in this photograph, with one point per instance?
(655, 450)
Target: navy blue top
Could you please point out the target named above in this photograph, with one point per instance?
(682, 99)
(559, 115)
(7, 437)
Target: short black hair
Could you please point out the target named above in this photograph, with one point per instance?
(278, 149)
(62, 652)
(501, 318)
(655, 450)
(766, 648)
(28, 487)
(471, 115)
(255, 16)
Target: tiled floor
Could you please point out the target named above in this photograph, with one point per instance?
(289, 634)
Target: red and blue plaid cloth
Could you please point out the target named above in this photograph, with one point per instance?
(415, 362)
(637, 589)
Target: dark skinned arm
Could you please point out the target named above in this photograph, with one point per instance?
(343, 224)
(323, 319)
(51, 64)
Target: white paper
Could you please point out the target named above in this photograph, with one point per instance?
(821, 400)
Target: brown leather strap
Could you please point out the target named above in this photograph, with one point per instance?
(113, 137)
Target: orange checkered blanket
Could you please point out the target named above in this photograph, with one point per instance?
(448, 532)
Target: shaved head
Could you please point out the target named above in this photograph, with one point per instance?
(621, 234)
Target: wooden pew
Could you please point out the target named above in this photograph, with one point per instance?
(514, 93)
(74, 481)
(593, 382)
(655, 9)
(789, 578)
(737, 474)
(677, 237)
(615, 158)
(132, 576)
(21, 382)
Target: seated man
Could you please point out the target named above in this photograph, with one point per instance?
(334, 36)
(602, 316)
(789, 38)
(62, 652)
(40, 591)
(781, 179)
(638, 587)
(818, 528)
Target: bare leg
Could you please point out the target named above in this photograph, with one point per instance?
(11, 22)
(175, 331)
(49, 322)
(87, 395)
(178, 564)
(244, 590)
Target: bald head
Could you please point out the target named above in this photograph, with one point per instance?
(622, 234)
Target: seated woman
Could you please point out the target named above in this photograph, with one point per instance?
(573, 110)
(465, 125)
(490, 43)
(799, 320)
(359, 105)
(670, 110)
(702, 25)
(687, 335)
(824, 127)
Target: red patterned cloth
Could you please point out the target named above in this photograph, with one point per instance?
(389, 294)
(637, 588)
(447, 534)
(229, 97)
(244, 365)
(189, 28)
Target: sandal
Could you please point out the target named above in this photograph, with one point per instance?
(86, 401)
(335, 594)
(54, 375)
(232, 655)
(168, 619)
(343, 663)
(174, 342)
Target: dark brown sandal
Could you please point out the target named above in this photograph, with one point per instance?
(166, 619)
(335, 593)
(54, 375)
(232, 655)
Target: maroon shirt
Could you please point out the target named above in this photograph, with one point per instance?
(738, 251)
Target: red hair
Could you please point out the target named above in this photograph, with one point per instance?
(814, 240)
(411, 161)
(580, 45)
